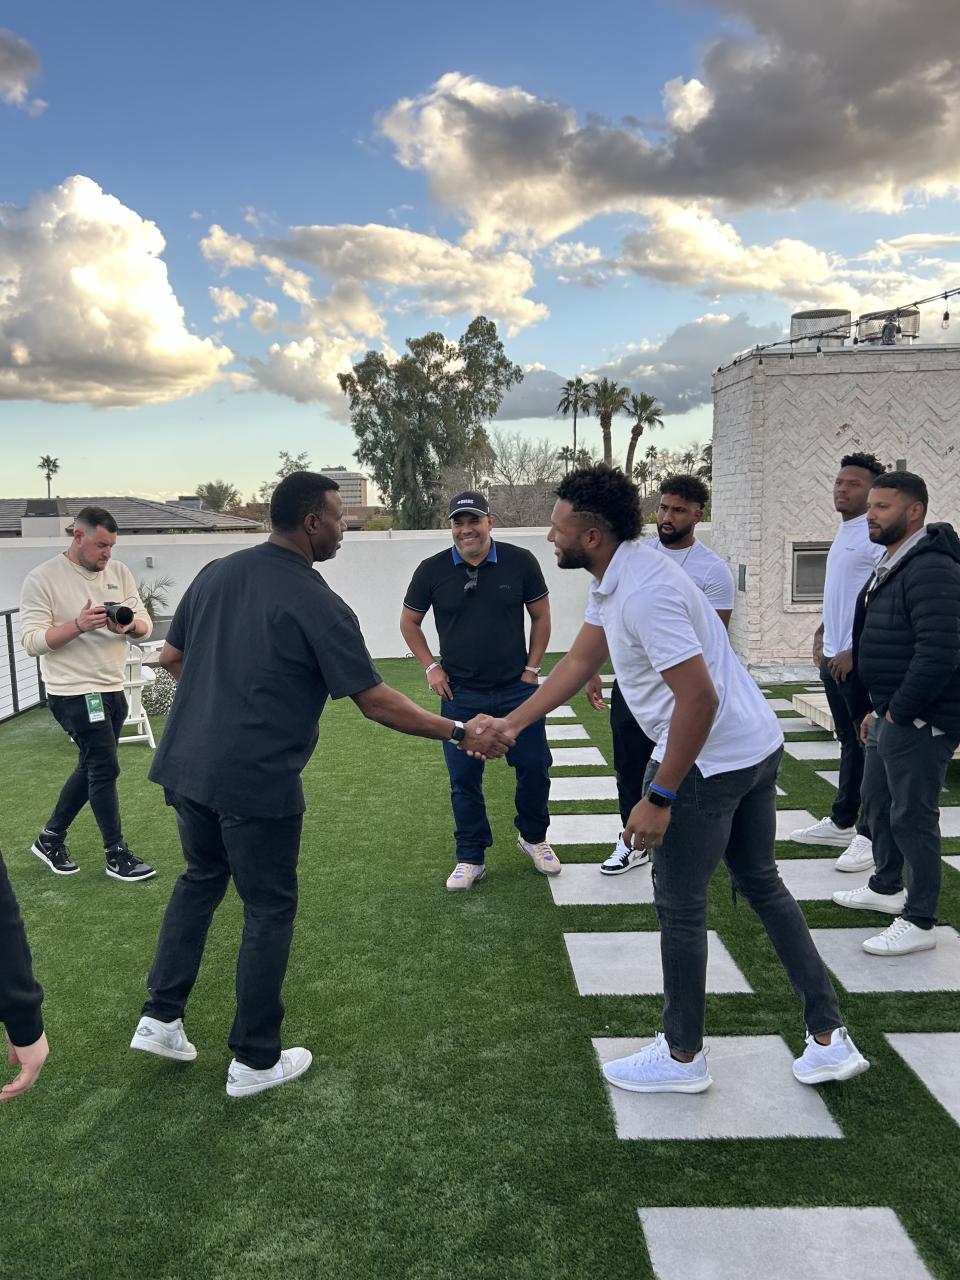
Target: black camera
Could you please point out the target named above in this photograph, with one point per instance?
(121, 614)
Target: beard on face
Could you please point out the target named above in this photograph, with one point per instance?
(674, 535)
(893, 533)
(574, 558)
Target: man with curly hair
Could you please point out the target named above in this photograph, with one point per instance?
(710, 785)
(850, 563)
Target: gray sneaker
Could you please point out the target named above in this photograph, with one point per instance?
(165, 1039)
(243, 1081)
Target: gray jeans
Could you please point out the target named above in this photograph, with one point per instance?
(730, 816)
(904, 771)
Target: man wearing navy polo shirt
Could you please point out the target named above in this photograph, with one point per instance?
(479, 591)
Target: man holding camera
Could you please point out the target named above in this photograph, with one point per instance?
(77, 612)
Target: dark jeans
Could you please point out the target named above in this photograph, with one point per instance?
(261, 854)
(97, 770)
(905, 770)
(730, 816)
(846, 723)
(529, 757)
(632, 750)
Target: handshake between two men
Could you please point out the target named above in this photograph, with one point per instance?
(488, 738)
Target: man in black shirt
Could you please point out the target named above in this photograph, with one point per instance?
(258, 644)
(479, 591)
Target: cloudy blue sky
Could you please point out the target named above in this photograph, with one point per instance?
(207, 211)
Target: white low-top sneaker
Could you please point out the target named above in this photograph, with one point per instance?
(858, 856)
(623, 859)
(243, 1081)
(900, 939)
(465, 875)
(825, 831)
(864, 899)
(541, 855)
(165, 1039)
(655, 1070)
(838, 1060)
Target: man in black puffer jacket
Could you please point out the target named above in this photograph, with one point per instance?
(906, 643)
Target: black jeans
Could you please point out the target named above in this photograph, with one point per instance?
(905, 770)
(261, 854)
(729, 816)
(97, 770)
(529, 757)
(632, 750)
(840, 698)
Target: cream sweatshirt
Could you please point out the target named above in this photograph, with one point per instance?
(54, 593)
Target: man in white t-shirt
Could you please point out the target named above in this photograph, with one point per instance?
(683, 501)
(850, 563)
(710, 786)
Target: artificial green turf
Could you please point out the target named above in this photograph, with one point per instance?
(454, 1123)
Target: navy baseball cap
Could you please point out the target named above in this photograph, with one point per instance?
(470, 502)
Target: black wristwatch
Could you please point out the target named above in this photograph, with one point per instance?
(657, 799)
(458, 732)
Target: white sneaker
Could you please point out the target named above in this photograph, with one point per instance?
(541, 855)
(655, 1070)
(242, 1081)
(623, 859)
(864, 899)
(900, 938)
(165, 1039)
(465, 875)
(838, 1060)
(825, 831)
(858, 856)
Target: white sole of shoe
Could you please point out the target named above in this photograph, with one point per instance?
(663, 1086)
(130, 879)
(902, 951)
(621, 871)
(248, 1090)
(160, 1050)
(892, 910)
(860, 866)
(847, 1070)
(828, 842)
(34, 849)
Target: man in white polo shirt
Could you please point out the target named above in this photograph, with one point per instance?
(850, 563)
(683, 501)
(711, 784)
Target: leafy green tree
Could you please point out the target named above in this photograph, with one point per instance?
(646, 412)
(608, 399)
(420, 416)
(218, 495)
(49, 466)
(576, 398)
(288, 465)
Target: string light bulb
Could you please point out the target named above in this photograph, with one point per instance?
(945, 322)
(819, 351)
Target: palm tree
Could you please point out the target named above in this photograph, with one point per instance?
(566, 455)
(576, 398)
(49, 466)
(218, 495)
(688, 459)
(608, 399)
(705, 469)
(641, 473)
(646, 411)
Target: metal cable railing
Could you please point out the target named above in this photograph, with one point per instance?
(21, 685)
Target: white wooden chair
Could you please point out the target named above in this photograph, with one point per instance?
(135, 677)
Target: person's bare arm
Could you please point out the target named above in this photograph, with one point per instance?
(171, 659)
(818, 645)
(725, 615)
(90, 618)
(30, 1059)
(587, 655)
(389, 707)
(539, 611)
(411, 628)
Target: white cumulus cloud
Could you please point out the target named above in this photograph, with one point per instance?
(87, 313)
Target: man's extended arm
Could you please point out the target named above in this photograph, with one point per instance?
(587, 655)
(539, 612)
(389, 707)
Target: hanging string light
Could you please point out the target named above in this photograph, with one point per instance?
(945, 322)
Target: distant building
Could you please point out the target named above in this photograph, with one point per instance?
(53, 517)
(353, 485)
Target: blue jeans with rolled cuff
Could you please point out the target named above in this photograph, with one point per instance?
(529, 757)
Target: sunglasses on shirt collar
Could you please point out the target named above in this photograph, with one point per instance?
(471, 582)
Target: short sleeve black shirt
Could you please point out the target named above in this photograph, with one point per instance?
(482, 637)
(265, 642)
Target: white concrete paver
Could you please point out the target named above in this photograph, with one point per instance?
(792, 820)
(581, 884)
(597, 787)
(561, 713)
(935, 1057)
(797, 724)
(843, 953)
(566, 733)
(829, 775)
(779, 1244)
(584, 828)
(813, 879)
(952, 860)
(628, 964)
(779, 704)
(576, 757)
(826, 750)
(753, 1095)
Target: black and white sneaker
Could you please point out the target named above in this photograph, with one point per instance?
(50, 849)
(623, 859)
(124, 865)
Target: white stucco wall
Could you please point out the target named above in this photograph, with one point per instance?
(780, 429)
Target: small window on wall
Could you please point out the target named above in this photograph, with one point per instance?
(809, 572)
